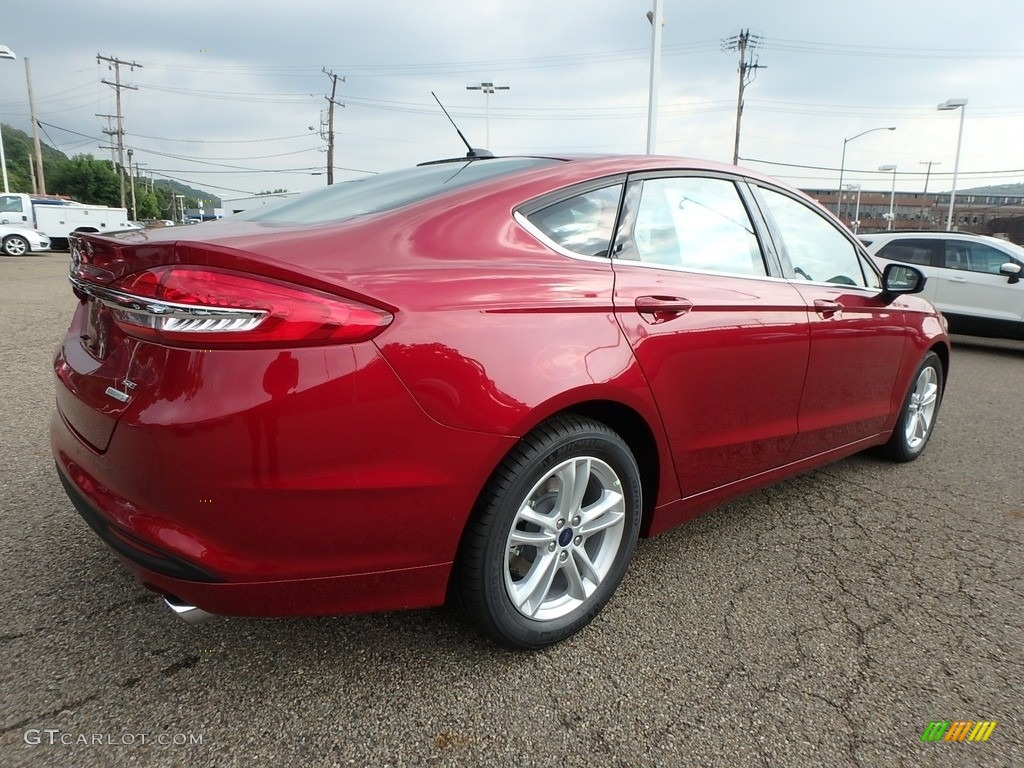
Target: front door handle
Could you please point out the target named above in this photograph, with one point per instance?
(827, 308)
(660, 309)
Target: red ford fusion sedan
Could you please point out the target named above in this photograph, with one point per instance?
(477, 380)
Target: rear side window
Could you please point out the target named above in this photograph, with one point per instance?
(387, 191)
(582, 224)
(910, 251)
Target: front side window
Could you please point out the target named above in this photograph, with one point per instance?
(975, 257)
(10, 204)
(582, 224)
(694, 223)
(817, 250)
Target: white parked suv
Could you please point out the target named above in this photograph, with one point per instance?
(974, 280)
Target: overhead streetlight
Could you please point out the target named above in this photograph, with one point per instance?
(657, 22)
(892, 195)
(5, 53)
(488, 89)
(842, 163)
(947, 105)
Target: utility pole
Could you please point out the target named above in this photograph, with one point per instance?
(113, 147)
(118, 87)
(330, 122)
(32, 171)
(35, 134)
(745, 43)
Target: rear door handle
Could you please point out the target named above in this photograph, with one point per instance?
(659, 309)
(958, 279)
(827, 308)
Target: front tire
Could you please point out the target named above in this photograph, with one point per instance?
(552, 535)
(917, 416)
(16, 245)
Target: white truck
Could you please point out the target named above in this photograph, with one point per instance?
(58, 217)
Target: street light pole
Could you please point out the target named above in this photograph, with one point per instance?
(488, 89)
(856, 214)
(657, 20)
(5, 53)
(924, 197)
(842, 163)
(949, 104)
(892, 195)
(131, 174)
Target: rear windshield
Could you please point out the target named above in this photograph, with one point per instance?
(387, 191)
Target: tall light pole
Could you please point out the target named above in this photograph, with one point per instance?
(960, 104)
(924, 197)
(657, 20)
(131, 174)
(892, 195)
(856, 213)
(488, 89)
(842, 163)
(5, 53)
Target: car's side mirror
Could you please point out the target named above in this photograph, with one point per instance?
(1012, 271)
(901, 278)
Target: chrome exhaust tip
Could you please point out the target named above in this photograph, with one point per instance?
(186, 612)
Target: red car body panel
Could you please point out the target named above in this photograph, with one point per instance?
(339, 478)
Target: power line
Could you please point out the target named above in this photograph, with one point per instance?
(830, 169)
(217, 141)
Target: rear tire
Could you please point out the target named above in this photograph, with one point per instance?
(917, 416)
(16, 245)
(552, 535)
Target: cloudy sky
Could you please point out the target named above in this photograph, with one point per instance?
(230, 92)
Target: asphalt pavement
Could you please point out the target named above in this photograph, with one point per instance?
(825, 621)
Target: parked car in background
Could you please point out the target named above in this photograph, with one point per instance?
(476, 380)
(17, 241)
(974, 280)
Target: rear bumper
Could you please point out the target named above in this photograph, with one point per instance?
(184, 582)
(131, 548)
(340, 497)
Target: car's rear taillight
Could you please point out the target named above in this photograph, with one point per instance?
(209, 307)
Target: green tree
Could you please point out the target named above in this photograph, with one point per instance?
(17, 148)
(147, 204)
(87, 180)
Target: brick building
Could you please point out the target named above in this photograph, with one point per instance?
(999, 215)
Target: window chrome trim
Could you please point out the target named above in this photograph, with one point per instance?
(738, 276)
(698, 271)
(530, 227)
